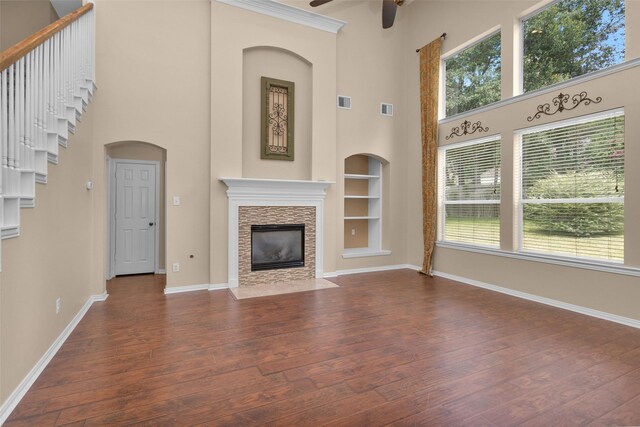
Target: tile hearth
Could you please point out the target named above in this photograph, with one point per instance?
(269, 289)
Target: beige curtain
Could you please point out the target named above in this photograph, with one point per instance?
(429, 80)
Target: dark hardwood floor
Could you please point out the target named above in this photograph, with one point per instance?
(385, 348)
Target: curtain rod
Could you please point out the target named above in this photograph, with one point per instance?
(444, 35)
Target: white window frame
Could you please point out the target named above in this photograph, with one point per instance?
(442, 113)
(441, 182)
(517, 187)
(519, 68)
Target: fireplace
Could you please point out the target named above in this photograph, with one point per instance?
(274, 201)
(275, 246)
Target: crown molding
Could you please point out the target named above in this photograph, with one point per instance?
(289, 13)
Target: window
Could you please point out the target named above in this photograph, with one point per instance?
(572, 38)
(572, 188)
(469, 179)
(472, 76)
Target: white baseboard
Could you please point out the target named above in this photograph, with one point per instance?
(161, 271)
(548, 301)
(372, 269)
(12, 401)
(194, 288)
(188, 288)
(218, 286)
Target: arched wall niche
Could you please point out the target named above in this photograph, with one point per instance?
(140, 150)
(282, 64)
(366, 203)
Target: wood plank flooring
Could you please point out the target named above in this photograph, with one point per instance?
(393, 348)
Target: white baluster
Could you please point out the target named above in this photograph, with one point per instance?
(20, 113)
(4, 128)
(12, 122)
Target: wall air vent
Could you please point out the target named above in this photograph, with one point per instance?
(386, 109)
(344, 102)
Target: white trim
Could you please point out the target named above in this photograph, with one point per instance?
(483, 140)
(364, 252)
(18, 393)
(542, 300)
(548, 259)
(373, 269)
(194, 288)
(111, 225)
(289, 13)
(189, 288)
(273, 192)
(442, 113)
(623, 66)
(572, 201)
(563, 123)
(112, 209)
(473, 202)
(161, 271)
(472, 42)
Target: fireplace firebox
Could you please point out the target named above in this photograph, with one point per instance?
(276, 246)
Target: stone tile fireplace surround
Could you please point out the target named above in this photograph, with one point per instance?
(267, 201)
(262, 215)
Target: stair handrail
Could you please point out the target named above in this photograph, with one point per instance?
(46, 83)
(10, 55)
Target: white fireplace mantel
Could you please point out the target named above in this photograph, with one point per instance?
(274, 192)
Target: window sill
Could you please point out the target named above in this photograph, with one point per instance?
(364, 252)
(547, 259)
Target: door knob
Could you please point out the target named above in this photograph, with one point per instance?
(151, 224)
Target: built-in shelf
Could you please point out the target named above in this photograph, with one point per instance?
(358, 176)
(362, 206)
(347, 218)
(363, 252)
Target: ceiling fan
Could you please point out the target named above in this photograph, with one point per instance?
(389, 8)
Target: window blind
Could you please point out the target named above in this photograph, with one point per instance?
(470, 180)
(572, 188)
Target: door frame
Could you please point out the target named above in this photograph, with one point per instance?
(113, 163)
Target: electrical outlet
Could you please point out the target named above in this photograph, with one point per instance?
(176, 267)
(176, 200)
(353, 231)
(58, 305)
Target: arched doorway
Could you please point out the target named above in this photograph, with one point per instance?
(136, 208)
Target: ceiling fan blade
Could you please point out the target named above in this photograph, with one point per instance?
(316, 3)
(389, 8)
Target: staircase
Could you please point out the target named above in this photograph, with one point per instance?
(46, 83)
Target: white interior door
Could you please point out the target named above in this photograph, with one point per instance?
(135, 218)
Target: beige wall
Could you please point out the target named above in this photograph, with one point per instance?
(134, 150)
(234, 30)
(153, 74)
(279, 64)
(371, 64)
(613, 293)
(161, 66)
(51, 259)
(21, 18)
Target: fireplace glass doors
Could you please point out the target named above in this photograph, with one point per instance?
(277, 246)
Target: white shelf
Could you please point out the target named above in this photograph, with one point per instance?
(370, 191)
(363, 252)
(356, 176)
(360, 217)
